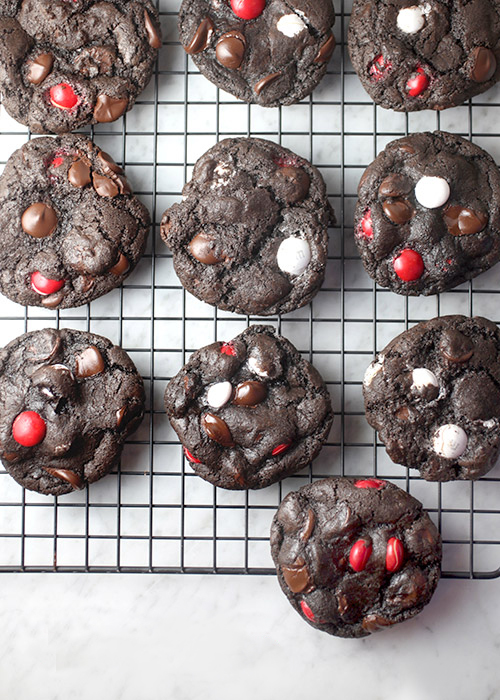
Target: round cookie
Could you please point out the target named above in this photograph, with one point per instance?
(412, 55)
(71, 228)
(355, 556)
(68, 401)
(251, 234)
(433, 394)
(270, 52)
(249, 412)
(428, 214)
(64, 64)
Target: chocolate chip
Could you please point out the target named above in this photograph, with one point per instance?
(121, 266)
(373, 623)
(394, 185)
(66, 475)
(39, 220)
(123, 184)
(307, 530)
(230, 50)
(79, 174)
(40, 68)
(291, 184)
(108, 163)
(250, 393)
(326, 51)
(217, 430)
(463, 221)
(297, 577)
(153, 36)
(52, 301)
(202, 248)
(398, 210)
(201, 38)
(455, 346)
(258, 87)
(484, 64)
(108, 109)
(89, 363)
(104, 186)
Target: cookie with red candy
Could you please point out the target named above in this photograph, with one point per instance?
(428, 54)
(428, 214)
(354, 556)
(71, 228)
(250, 411)
(64, 64)
(68, 401)
(270, 52)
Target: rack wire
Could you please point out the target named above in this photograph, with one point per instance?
(153, 514)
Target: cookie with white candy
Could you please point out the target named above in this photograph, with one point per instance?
(428, 214)
(269, 52)
(435, 397)
(249, 411)
(251, 234)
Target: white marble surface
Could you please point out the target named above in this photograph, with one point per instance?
(148, 637)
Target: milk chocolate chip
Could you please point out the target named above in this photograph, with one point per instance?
(230, 50)
(108, 109)
(201, 38)
(89, 362)
(40, 68)
(66, 475)
(202, 248)
(463, 221)
(79, 174)
(217, 430)
(484, 64)
(455, 346)
(39, 220)
(104, 186)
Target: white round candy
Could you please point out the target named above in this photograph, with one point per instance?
(432, 192)
(219, 394)
(372, 371)
(290, 25)
(255, 368)
(411, 19)
(423, 378)
(449, 441)
(294, 255)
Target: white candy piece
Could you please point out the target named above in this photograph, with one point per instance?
(372, 370)
(432, 192)
(219, 394)
(423, 378)
(290, 25)
(294, 255)
(254, 367)
(411, 19)
(449, 441)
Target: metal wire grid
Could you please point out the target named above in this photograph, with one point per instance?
(154, 514)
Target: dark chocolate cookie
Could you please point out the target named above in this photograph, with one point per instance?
(249, 412)
(71, 228)
(251, 235)
(433, 394)
(425, 55)
(68, 401)
(270, 52)
(67, 63)
(428, 214)
(355, 556)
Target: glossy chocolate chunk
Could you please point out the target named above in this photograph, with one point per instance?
(104, 186)
(202, 248)
(455, 346)
(394, 185)
(250, 393)
(66, 475)
(79, 174)
(307, 530)
(326, 51)
(39, 220)
(230, 50)
(108, 109)
(201, 38)
(217, 430)
(264, 82)
(108, 163)
(40, 68)
(153, 36)
(297, 577)
(463, 221)
(484, 64)
(121, 266)
(398, 210)
(89, 363)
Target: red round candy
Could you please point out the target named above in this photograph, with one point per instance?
(248, 9)
(418, 83)
(228, 349)
(307, 611)
(191, 457)
(44, 286)
(370, 483)
(366, 225)
(408, 265)
(359, 555)
(379, 67)
(63, 96)
(394, 554)
(29, 429)
(281, 448)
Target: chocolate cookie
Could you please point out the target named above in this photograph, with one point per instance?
(433, 394)
(425, 55)
(71, 228)
(251, 232)
(271, 52)
(355, 556)
(67, 63)
(249, 412)
(68, 401)
(428, 214)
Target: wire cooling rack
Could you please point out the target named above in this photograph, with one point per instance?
(154, 513)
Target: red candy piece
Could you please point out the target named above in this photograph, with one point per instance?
(281, 448)
(44, 286)
(370, 483)
(418, 83)
(286, 161)
(394, 554)
(248, 9)
(29, 429)
(63, 96)
(307, 611)
(408, 265)
(57, 162)
(366, 225)
(359, 555)
(190, 456)
(379, 67)
(228, 349)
